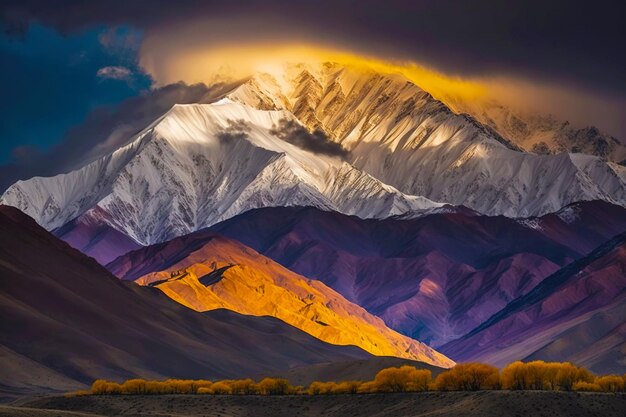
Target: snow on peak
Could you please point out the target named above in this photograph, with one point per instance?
(201, 164)
(401, 135)
(375, 145)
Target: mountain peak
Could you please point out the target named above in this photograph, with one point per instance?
(331, 136)
(202, 163)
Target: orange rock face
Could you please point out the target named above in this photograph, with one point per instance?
(223, 273)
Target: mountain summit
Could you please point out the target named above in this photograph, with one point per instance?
(331, 136)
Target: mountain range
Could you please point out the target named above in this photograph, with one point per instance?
(380, 146)
(315, 215)
(436, 277)
(207, 272)
(71, 321)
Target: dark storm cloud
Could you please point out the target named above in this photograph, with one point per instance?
(105, 129)
(316, 141)
(572, 42)
(236, 130)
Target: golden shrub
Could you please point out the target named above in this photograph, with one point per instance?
(586, 386)
(535, 375)
(273, 386)
(610, 383)
(220, 388)
(367, 387)
(469, 377)
(515, 376)
(347, 387)
(134, 386)
(102, 387)
(568, 374)
(242, 386)
(321, 388)
(402, 379)
(540, 375)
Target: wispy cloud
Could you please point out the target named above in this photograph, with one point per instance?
(115, 73)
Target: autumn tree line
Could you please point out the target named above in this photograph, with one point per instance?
(537, 375)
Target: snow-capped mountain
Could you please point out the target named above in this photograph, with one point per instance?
(377, 146)
(198, 165)
(543, 134)
(401, 135)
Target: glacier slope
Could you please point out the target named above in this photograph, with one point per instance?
(401, 135)
(201, 164)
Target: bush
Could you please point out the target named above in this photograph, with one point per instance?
(469, 377)
(536, 375)
(367, 387)
(610, 383)
(243, 386)
(586, 386)
(102, 387)
(539, 375)
(403, 379)
(321, 388)
(568, 374)
(220, 388)
(134, 386)
(347, 387)
(273, 386)
(515, 376)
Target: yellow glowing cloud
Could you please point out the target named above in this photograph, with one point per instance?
(211, 64)
(171, 59)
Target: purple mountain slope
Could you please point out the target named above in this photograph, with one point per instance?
(434, 278)
(576, 314)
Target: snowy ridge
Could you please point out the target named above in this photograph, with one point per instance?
(201, 164)
(399, 134)
(542, 134)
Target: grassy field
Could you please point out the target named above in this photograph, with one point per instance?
(432, 404)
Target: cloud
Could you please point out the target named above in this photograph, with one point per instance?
(559, 40)
(317, 141)
(236, 130)
(115, 73)
(105, 129)
(26, 153)
(120, 39)
(557, 56)
(567, 47)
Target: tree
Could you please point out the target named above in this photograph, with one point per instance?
(402, 379)
(586, 386)
(469, 377)
(566, 376)
(610, 383)
(515, 376)
(243, 387)
(102, 387)
(347, 387)
(134, 386)
(220, 388)
(273, 386)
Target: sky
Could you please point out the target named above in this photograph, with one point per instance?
(76, 75)
(51, 82)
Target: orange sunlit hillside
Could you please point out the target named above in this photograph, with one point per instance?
(226, 274)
